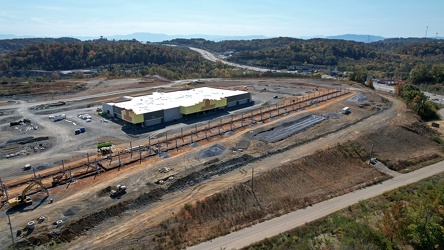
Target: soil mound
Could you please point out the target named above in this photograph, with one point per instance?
(229, 133)
(214, 150)
(70, 211)
(332, 115)
(164, 155)
(359, 98)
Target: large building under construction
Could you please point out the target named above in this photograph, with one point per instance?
(159, 107)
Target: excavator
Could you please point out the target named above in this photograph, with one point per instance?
(22, 199)
(57, 179)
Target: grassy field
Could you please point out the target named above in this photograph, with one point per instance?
(411, 217)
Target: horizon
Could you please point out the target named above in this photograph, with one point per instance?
(285, 18)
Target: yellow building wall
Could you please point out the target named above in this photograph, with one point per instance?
(206, 104)
(130, 116)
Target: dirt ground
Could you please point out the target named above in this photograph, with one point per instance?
(93, 220)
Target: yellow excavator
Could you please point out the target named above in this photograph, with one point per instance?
(57, 179)
(22, 199)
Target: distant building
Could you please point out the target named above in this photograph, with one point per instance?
(159, 108)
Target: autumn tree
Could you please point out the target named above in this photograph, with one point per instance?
(395, 222)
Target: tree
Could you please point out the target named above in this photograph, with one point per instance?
(426, 229)
(437, 73)
(55, 76)
(420, 74)
(395, 221)
(370, 82)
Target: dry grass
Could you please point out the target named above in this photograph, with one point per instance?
(402, 147)
(292, 186)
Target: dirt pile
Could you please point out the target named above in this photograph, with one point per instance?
(359, 98)
(212, 151)
(72, 210)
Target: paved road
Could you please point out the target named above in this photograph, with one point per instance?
(210, 56)
(383, 87)
(289, 221)
(432, 97)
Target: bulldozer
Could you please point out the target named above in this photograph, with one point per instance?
(118, 190)
(22, 199)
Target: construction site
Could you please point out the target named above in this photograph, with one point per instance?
(75, 175)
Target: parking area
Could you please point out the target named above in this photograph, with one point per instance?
(67, 130)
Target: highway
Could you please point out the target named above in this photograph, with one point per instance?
(270, 228)
(432, 97)
(383, 87)
(211, 57)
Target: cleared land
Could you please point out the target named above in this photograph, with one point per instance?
(93, 220)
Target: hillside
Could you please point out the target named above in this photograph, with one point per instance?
(107, 58)
(390, 58)
(7, 45)
(419, 60)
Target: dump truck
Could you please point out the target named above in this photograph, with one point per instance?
(118, 190)
(22, 199)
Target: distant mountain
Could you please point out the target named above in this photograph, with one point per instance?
(10, 36)
(153, 37)
(357, 38)
(149, 37)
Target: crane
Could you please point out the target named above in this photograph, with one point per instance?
(22, 199)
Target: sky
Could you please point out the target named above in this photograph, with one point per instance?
(271, 18)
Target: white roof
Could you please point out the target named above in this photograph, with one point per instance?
(161, 101)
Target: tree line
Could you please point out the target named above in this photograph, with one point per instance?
(391, 58)
(418, 60)
(116, 58)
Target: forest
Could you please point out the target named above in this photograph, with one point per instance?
(388, 59)
(417, 60)
(114, 58)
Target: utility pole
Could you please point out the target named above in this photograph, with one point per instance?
(87, 157)
(120, 163)
(10, 228)
(427, 28)
(131, 150)
(252, 175)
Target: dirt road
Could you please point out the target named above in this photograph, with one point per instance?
(124, 229)
(286, 222)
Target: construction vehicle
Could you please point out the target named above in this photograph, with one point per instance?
(104, 148)
(27, 167)
(22, 199)
(104, 144)
(57, 179)
(119, 189)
